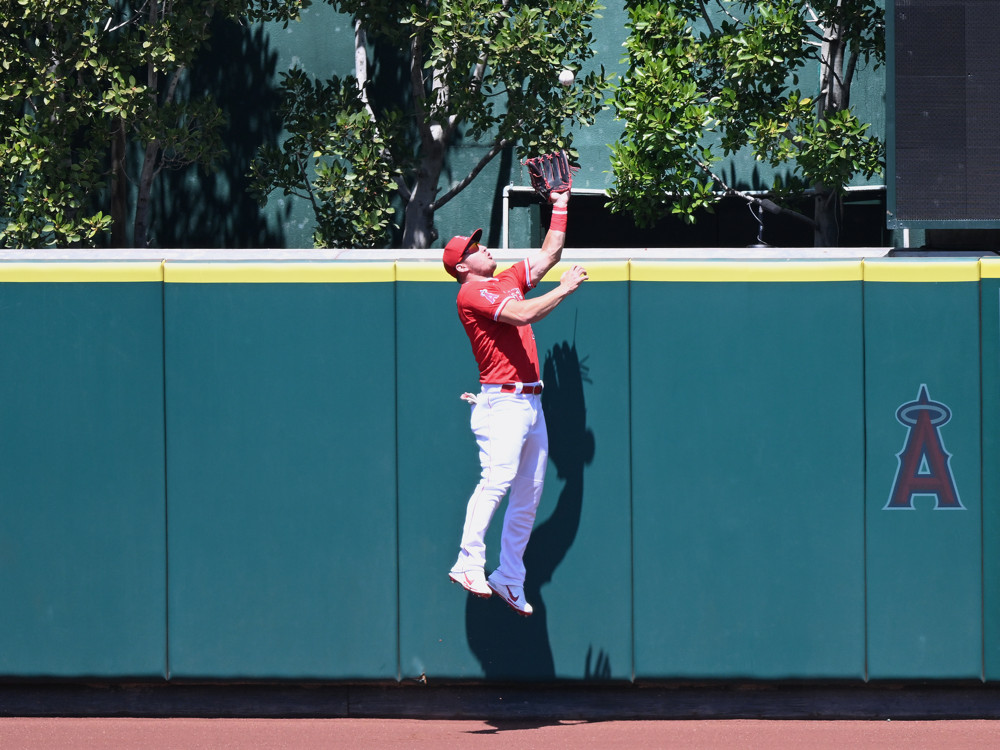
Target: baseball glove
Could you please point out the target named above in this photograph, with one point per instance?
(550, 173)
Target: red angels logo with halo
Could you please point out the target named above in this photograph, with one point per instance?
(924, 464)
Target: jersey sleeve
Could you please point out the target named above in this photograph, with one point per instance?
(522, 271)
(525, 267)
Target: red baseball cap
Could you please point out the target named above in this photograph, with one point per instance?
(456, 249)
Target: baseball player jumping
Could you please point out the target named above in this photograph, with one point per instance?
(507, 417)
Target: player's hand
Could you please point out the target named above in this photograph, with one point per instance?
(572, 278)
(560, 200)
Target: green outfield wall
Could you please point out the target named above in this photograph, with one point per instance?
(258, 470)
(990, 360)
(747, 468)
(925, 618)
(82, 485)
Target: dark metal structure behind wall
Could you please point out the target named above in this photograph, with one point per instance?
(944, 129)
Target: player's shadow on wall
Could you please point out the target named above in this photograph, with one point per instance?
(507, 645)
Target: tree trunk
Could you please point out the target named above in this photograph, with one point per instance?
(418, 227)
(140, 228)
(145, 188)
(827, 218)
(834, 97)
(119, 187)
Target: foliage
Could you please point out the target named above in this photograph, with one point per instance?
(335, 158)
(482, 69)
(82, 84)
(56, 91)
(494, 66)
(706, 81)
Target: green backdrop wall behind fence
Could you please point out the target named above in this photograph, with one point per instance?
(259, 471)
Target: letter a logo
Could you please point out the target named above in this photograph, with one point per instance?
(924, 464)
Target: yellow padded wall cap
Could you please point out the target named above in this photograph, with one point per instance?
(989, 268)
(91, 271)
(422, 270)
(278, 272)
(923, 270)
(752, 270)
(597, 270)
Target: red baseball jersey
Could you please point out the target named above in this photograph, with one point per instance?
(505, 353)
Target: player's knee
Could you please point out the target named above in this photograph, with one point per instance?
(498, 482)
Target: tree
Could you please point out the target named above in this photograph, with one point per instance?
(485, 69)
(704, 77)
(88, 91)
(56, 83)
(335, 157)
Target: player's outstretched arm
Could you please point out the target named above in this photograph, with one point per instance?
(528, 311)
(541, 262)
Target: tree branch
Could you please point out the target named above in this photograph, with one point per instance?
(168, 96)
(498, 146)
(852, 66)
(484, 56)
(724, 10)
(766, 204)
(708, 19)
(831, 64)
(302, 165)
(361, 65)
(417, 89)
(361, 74)
(108, 28)
(480, 70)
(816, 34)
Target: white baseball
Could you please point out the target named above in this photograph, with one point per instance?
(566, 78)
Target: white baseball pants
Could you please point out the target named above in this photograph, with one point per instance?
(513, 452)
